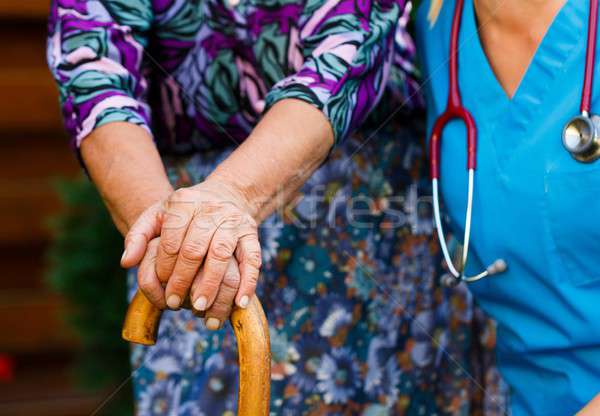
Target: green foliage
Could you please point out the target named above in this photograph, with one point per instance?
(84, 268)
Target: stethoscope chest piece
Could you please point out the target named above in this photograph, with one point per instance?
(580, 137)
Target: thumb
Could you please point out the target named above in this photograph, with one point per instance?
(146, 227)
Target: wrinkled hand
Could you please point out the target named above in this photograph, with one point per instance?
(204, 225)
(152, 287)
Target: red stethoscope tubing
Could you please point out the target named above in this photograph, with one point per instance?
(590, 58)
(455, 110)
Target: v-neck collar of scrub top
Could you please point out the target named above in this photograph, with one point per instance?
(533, 206)
(487, 100)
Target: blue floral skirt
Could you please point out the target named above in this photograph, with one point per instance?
(350, 284)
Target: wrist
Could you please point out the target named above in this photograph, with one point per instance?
(125, 166)
(240, 193)
(136, 205)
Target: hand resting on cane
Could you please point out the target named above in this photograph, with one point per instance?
(202, 227)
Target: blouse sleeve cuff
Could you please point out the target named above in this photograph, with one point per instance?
(81, 118)
(297, 87)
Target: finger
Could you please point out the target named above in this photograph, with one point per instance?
(147, 280)
(221, 249)
(196, 282)
(143, 230)
(178, 215)
(190, 257)
(221, 308)
(249, 256)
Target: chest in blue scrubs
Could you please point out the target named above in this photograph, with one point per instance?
(534, 206)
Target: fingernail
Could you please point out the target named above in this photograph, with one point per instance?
(200, 303)
(124, 255)
(174, 302)
(244, 302)
(212, 323)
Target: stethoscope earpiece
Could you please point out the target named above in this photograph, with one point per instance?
(499, 266)
(453, 280)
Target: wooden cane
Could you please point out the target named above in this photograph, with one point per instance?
(254, 352)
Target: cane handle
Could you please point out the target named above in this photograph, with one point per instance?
(252, 335)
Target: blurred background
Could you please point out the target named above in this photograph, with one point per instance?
(62, 295)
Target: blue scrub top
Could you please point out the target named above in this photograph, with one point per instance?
(534, 206)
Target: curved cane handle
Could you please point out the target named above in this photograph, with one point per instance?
(252, 335)
(141, 321)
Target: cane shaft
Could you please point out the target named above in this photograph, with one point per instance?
(252, 335)
(254, 354)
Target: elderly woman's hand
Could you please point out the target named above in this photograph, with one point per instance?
(152, 287)
(203, 228)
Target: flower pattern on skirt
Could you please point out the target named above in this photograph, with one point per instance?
(350, 284)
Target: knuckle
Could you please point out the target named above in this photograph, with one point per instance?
(163, 272)
(223, 302)
(176, 218)
(253, 258)
(220, 312)
(221, 307)
(144, 284)
(231, 281)
(169, 246)
(145, 266)
(252, 280)
(209, 287)
(179, 284)
(192, 252)
(180, 205)
(151, 252)
(209, 206)
(248, 228)
(142, 274)
(202, 224)
(233, 220)
(250, 222)
(222, 250)
(131, 235)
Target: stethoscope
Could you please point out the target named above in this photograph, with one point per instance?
(581, 138)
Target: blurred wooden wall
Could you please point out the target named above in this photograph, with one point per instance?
(33, 150)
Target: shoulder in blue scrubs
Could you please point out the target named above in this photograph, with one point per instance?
(534, 206)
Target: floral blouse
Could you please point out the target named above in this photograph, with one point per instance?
(198, 74)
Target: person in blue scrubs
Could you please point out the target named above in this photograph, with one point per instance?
(535, 206)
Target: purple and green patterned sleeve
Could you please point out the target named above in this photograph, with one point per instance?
(347, 49)
(95, 52)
